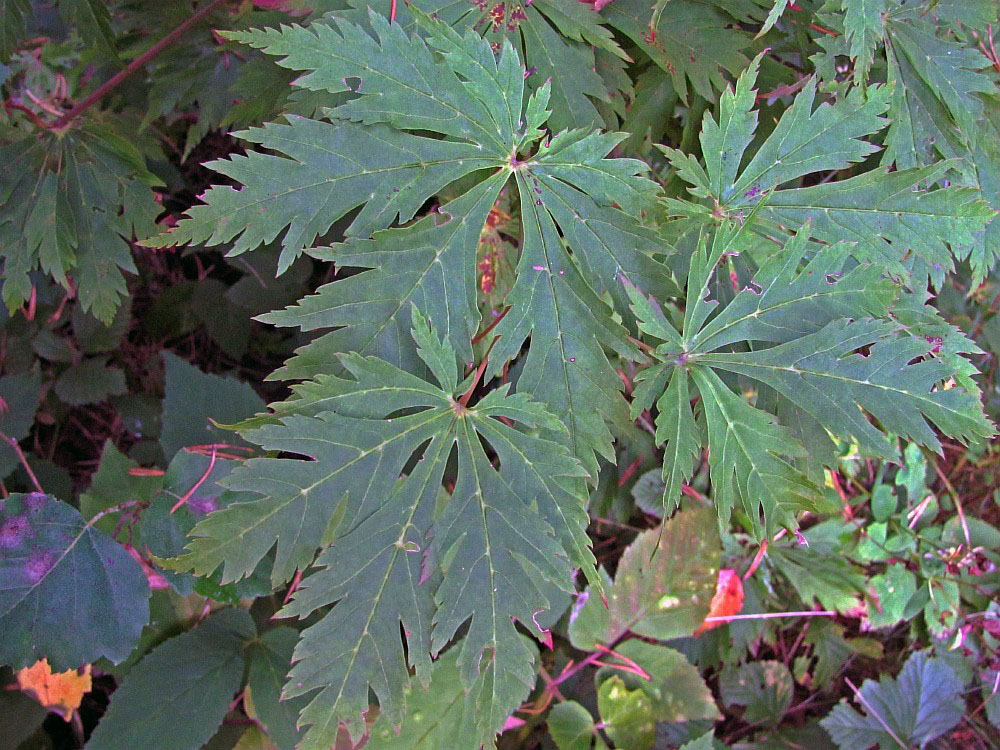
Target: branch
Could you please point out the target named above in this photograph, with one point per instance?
(116, 80)
(23, 459)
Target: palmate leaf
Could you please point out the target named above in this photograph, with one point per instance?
(490, 558)
(806, 329)
(579, 216)
(692, 41)
(553, 37)
(70, 204)
(888, 215)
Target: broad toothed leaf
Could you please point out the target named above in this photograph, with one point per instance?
(919, 705)
(504, 537)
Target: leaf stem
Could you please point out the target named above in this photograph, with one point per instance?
(23, 459)
(113, 509)
(116, 80)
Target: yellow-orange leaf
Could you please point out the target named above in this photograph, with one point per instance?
(60, 692)
(728, 599)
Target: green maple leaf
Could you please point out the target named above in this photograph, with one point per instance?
(864, 22)
(692, 41)
(497, 553)
(798, 332)
(893, 218)
(71, 203)
(579, 211)
(953, 71)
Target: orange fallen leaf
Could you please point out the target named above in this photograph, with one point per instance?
(60, 692)
(728, 599)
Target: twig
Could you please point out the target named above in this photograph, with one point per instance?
(116, 80)
(958, 503)
(201, 480)
(491, 326)
(464, 400)
(772, 615)
(23, 459)
(113, 509)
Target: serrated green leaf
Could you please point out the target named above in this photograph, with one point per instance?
(922, 703)
(193, 676)
(351, 493)
(895, 382)
(807, 139)
(952, 71)
(71, 202)
(71, 594)
(814, 365)
(553, 37)
(568, 189)
(864, 22)
(692, 41)
(884, 213)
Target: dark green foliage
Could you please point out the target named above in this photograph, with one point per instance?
(581, 322)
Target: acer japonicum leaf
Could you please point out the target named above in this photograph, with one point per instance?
(553, 37)
(889, 215)
(580, 215)
(816, 345)
(70, 205)
(692, 41)
(379, 442)
(71, 594)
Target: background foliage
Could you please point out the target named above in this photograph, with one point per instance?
(441, 374)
